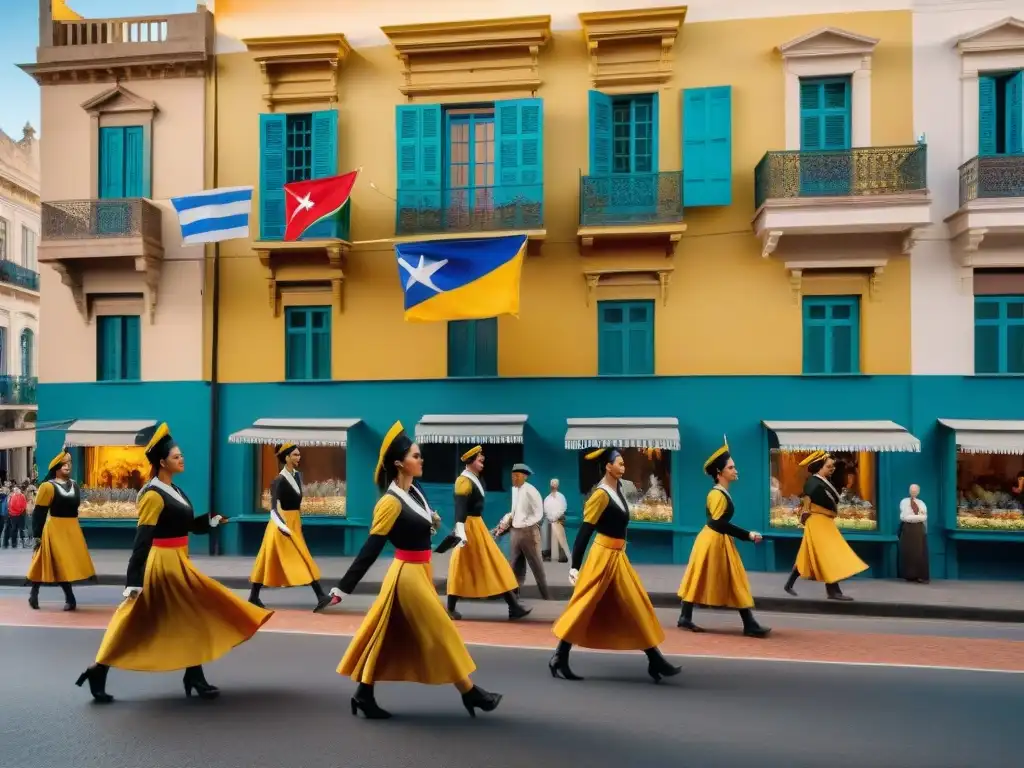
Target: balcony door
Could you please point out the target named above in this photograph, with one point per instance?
(826, 162)
(623, 186)
(121, 177)
(469, 170)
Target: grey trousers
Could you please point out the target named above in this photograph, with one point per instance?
(526, 549)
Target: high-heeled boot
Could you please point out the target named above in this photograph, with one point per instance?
(97, 677)
(365, 702)
(70, 603)
(791, 581)
(833, 592)
(477, 698)
(195, 680)
(254, 595)
(516, 610)
(33, 597)
(452, 602)
(686, 618)
(750, 626)
(320, 594)
(559, 664)
(658, 666)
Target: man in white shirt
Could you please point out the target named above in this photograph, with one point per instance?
(555, 507)
(524, 521)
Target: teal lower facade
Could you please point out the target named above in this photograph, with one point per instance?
(706, 407)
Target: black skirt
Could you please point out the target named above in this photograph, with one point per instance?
(913, 552)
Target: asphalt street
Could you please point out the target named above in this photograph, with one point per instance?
(283, 705)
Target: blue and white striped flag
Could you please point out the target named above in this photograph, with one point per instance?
(214, 215)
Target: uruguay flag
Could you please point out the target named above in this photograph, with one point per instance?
(214, 215)
(466, 279)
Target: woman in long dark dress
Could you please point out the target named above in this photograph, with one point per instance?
(914, 538)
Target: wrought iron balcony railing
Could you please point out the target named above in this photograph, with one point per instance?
(861, 172)
(15, 274)
(631, 198)
(991, 176)
(101, 219)
(18, 390)
(469, 209)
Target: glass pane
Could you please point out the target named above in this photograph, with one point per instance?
(295, 356)
(317, 319)
(842, 349)
(986, 349)
(613, 314)
(647, 484)
(638, 314)
(111, 479)
(1015, 310)
(1015, 349)
(323, 479)
(814, 349)
(816, 311)
(986, 310)
(987, 492)
(321, 362)
(841, 311)
(296, 320)
(855, 477)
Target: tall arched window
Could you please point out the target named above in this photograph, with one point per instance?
(28, 340)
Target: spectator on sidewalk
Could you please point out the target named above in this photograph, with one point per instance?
(14, 533)
(555, 507)
(913, 535)
(4, 520)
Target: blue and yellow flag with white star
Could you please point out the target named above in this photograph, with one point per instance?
(466, 279)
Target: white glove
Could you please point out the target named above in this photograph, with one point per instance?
(460, 531)
(215, 520)
(280, 524)
(755, 536)
(132, 592)
(573, 575)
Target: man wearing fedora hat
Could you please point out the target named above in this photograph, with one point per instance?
(524, 521)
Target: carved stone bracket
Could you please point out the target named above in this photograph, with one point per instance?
(875, 283)
(272, 257)
(74, 283)
(796, 281)
(770, 242)
(797, 270)
(909, 241)
(150, 269)
(628, 276)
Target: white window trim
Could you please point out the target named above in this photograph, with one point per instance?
(829, 52)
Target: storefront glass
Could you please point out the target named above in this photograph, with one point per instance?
(111, 478)
(855, 477)
(990, 492)
(647, 484)
(323, 470)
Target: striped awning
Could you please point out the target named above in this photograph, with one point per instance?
(987, 435)
(471, 428)
(307, 432)
(634, 432)
(90, 433)
(878, 436)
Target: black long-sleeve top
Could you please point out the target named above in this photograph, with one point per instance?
(164, 513)
(720, 510)
(469, 500)
(54, 499)
(604, 514)
(822, 493)
(283, 496)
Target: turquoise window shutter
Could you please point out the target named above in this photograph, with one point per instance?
(810, 115)
(273, 129)
(1015, 114)
(519, 156)
(611, 339)
(485, 352)
(132, 346)
(320, 342)
(111, 163)
(625, 338)
(325, 165)
(109, 348)
(999, 334)
(295, 358)
(825, 127)
(418, 146)
(831, 334)
(707, 146)
(600, 106)
(134, 162)
(986, 115)
(307, 349)
(835, 97)
(461, 348)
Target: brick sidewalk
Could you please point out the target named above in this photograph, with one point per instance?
(966, 600)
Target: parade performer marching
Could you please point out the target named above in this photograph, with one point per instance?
(61, 556)
(824, 554)
(173, 617)
(715, 576)
(478, 569)
(284, 559)
(609, 608)
(406, 636)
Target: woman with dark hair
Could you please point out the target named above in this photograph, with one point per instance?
(715, 576)
(284, 559)
(609, 609)
(61, 555)
(406, 636)
(824, 554)
(173, 617)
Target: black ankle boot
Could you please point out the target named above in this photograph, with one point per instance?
(97, 677)
(477, 698)
(33, 597)
(365, 702)
(70, 603)
(658, 666)
(833, 592)
(318, 590)
(792, 581)
(452, 602)
(686, 618)
(254, 595)
(516, 610)
(559, 663)
(750, 626)
(194, 679)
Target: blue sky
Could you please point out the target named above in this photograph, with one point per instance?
(19, 35)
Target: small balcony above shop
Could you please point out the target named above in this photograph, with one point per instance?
(15, 276)
(18, 391)
(988, 227)
(631, 206)
(471, 210)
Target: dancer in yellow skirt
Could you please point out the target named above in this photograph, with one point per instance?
(406, 636)
(61, 555)
(173, 617)
(609, 608)
(715, 576)
(284, 559)
(477, 568)
(824, 554)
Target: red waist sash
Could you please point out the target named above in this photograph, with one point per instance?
(413, 555)
(179, 541)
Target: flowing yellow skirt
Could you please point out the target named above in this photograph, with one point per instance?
(181, 619)
(715, 575)
(479, 569)
(407, 635)
(284, 561)
(824, 554)
(62, 555)
(609, 609)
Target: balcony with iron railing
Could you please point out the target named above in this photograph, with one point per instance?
(992, 177)
(19, 276)
(631, 199)
(18, 390)
(125, 219)
(469, 210)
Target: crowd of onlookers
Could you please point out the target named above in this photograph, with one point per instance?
(17, 501)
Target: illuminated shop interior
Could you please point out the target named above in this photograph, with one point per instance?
(323, 471)
(855, 477)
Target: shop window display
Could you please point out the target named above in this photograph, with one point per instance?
(647, 484)
(441, 465)
(990, 492)
(323, 471)
(855, 478)
(112, 476)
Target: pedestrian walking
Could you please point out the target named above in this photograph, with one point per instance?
(524, 522)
